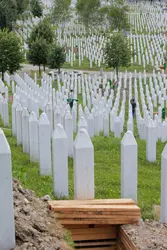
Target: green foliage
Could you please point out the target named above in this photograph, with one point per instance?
(22, 5)
(117, 52)
(36, 8)
(8, 13)
(10, 52)
(117, 18)
(61, 11)
(38, 52)
(56, 57)
(42, 30)
(116, 14)
(107, 169)
(88, 11)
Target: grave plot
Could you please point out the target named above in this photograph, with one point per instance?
(99, 110)
(95, 223)
(84, 48)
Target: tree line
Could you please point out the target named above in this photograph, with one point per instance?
(43, 47)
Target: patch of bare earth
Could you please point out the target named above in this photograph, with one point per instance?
(149, 235)
(35, 225)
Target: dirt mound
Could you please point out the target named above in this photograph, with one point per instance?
(36, 227)
(149, 234)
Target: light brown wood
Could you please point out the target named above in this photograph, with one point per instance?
(111, 230)
(101, 248)
(99, 212)
(93, 202)
(124, 238)
(75, 226)
(83, 216)
(130, 208)
(95, 243)
(119, 247)
(97, 236)
(116, 221)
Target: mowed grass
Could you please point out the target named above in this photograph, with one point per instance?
(107, 171)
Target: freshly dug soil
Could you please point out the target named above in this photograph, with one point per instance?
(37, 229)
(35, 225)
(149, 235)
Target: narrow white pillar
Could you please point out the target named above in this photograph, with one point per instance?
(33, 133)
(25, 131)
(151, 139)
(44, 145)
(69, 132)
(49, 113)
(57, 117)
(14, 130)
(7, 228)
(60, 161)
(129, 152)
(83, 166)
(82, 123)
(91, 129)
(117, 127)
(163, 213)
(106, 125)
(6, 113)
(18, 124)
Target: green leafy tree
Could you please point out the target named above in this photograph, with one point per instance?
(38, 52)
(61, 11)
(56, 57)
(22, 5)
(117, 15)
(88, 11)
(42, 30)
(11, 54)
(36, 8)
(8, 13)
(117, 52)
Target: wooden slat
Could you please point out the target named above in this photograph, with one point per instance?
(98, 212)
(100, 248)
(76, 226)
(93, 202)
(100, 236)
(83, 216)
(111, 230)
(120, 247)
(95, 243)
(96, 208)
(116, 221)
(128, 244)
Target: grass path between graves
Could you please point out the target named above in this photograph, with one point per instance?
(107, 170)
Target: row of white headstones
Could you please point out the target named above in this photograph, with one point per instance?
(99, 112)
(35, 136)
(149, 21)
(150, 52)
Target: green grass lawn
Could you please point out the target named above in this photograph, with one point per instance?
(107, 170)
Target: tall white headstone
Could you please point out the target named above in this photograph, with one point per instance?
(44, 145)
(83, 166)
(14, 130)
(7, 228)
(69, 133)
(129, 154)
(60, 161)
(163, 214)
(151, 139)
(33, 133)
(19, 124)
(25, 131)
(106, 125)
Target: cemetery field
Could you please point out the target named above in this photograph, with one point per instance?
(107, 171)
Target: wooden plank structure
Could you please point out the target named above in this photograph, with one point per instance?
(96, 224)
